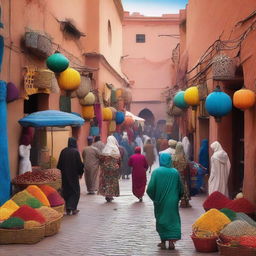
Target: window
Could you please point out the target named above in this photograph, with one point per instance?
(140, 38)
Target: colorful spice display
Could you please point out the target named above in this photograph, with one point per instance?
(213, 221)
(25, 198)
(248, 241)
(245, 217)
(5, 213)
(238, 228)
(241, 205)
(34, 203)
(55, 199)
(49, 213)
(27, 213)
(216, 200)
(47, 189)
(229, 213)
(38, 194)
(10, 204)
(31, 224)
(13, 223)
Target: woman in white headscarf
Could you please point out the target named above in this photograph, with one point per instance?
(187, 147)
(109, 163)
(220, 168)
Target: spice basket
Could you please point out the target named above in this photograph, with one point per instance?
(53, 227)
(205, 244)
(22, 236)
(59, 208)
(227, 250)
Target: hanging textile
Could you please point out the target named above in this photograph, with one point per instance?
(5, 181)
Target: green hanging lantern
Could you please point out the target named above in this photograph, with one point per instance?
(57, 62)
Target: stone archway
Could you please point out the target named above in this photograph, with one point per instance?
(148, 116)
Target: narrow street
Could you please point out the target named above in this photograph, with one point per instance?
(122, 228)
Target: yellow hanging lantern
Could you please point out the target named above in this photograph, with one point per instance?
(88, 112)
(107, 114)
(191, 96)
(69, 79)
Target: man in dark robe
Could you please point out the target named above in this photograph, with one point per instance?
(71, 168)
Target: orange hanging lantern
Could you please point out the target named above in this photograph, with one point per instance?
(69, 79)
(88, 112)
(128, 121)
(107, 114)
(119, 92)
(244, 99)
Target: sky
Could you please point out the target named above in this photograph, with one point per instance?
(154, 7)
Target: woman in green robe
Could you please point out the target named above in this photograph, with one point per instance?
(165, 190)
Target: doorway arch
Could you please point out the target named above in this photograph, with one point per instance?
(148, 116)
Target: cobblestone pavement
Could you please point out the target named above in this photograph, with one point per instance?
(124, 227)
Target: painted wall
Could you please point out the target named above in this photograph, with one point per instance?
(148, 65)
(222, 22)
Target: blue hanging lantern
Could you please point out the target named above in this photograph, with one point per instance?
(218, 104)
(120, 117)
(179, 100)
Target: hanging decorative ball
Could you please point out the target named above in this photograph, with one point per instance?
(69, 79)
(179, 100)
(191, 96)
(89, 99)
(88, 112)
(57, 62)
(119, 117)
(107, 114)
(244, 98)
(128, 121)
(218, 104)
(119, 92)
(113, 113)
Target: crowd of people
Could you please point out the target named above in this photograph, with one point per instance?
(170, 187)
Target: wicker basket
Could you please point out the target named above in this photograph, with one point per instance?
(22, 236)
(43, 79)
(223, 68)
(205, 244)
(84, 88)
(53, 227)
(226, 250)
(59, 208)
(39, 44)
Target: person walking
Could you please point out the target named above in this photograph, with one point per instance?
(98, 143)
(91, 166)
(126, 169)
(171, 149)
(165, 190)
(181, 163)
(71, 168)
(109, 163)
(220, 169)
(149, 153)
(204, 165)
(139, 166)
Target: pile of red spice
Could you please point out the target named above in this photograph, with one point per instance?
(241, 205)
(47, 189)
(248, 241)
(55, 199)
(216, 200)
(27, 213)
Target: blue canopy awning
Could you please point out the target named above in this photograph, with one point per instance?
(51, 118)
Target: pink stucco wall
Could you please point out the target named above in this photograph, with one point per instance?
(148, 65)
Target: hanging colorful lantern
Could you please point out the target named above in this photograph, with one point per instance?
(112, 127)
(244, 98)
(89, 99)
(88, 112)
(128, 121)
(119, 117)
(69, 79)
(191, 96)
(107, 114)
(57, 62)
(119, 92)
(218, 104)
(179, 100)
(113, 113)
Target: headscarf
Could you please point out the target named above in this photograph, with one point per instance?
(179, 157)
(172, 143)
(111, 147)
(72, 142)
(165, 160)
(204, 154)
(219, 153)
(187, 147)
(137, 150)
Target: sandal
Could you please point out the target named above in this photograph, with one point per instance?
(171, 245)
(162, 245)
(74, 212)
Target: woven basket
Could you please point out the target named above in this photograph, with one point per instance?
(84, 87)
(43, 79)
(53, 227)
(205, 244)
(59, 208)
(38, 44)
(226, 250)
(223, 68)
(22, 236)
